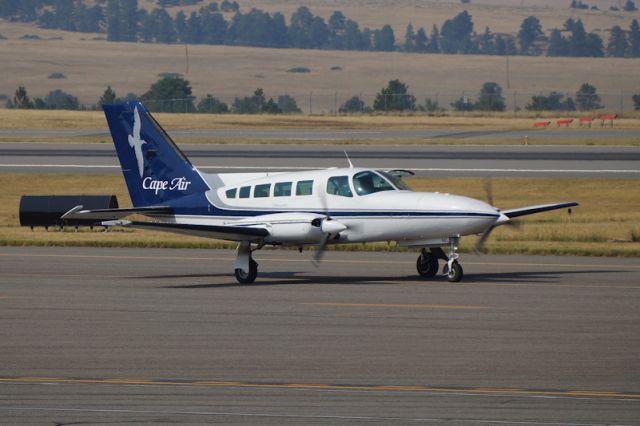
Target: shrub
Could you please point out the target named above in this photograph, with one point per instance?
(211, 104)
(57, 75)
(299, 69)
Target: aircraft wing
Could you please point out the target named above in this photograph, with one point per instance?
(523, 211)
(221, 232)
(112, 214)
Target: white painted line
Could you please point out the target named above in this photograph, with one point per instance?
(588, 171)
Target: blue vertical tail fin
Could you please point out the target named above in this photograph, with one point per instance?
(154, 168)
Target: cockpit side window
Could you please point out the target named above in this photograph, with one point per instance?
(231, 193)
(396, 181)
(368, 182)
(339, 185)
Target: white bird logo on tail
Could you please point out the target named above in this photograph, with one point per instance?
(134, 140)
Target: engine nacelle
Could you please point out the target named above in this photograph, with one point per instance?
(297, 228)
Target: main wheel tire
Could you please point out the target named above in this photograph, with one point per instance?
(427, 265)
(456, 273)
(247, 277)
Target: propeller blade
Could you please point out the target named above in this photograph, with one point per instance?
(319, 254)
(483, 239)
(488, 189)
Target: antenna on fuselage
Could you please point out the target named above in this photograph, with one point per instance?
(348, 159)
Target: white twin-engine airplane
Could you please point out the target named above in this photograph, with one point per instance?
(316, 207)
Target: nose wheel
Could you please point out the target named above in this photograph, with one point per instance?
(427, 263)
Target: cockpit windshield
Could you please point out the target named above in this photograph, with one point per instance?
(396, 181)
(368, 182)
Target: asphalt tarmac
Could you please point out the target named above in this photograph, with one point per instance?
(95, 335)
(425, 160)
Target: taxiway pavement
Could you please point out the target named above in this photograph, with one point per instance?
(431, 160)
(159, 336)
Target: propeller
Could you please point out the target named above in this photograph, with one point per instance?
(488, 188)
(329, 228)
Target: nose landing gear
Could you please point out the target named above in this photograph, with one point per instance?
(427, 263)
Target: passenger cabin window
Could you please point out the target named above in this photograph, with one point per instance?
(304, 187)
(231, 193)
(368, 182)
(245, 192)
(339, 185)
(262, 191)
(282, 189)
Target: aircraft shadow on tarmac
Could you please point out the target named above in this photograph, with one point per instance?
(295, 278)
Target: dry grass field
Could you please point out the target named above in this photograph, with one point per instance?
(606, 223)
(226, 72)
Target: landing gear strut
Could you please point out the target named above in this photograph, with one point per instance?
(427, 263)
(452, 269)
(246, 269)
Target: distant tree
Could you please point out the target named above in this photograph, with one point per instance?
(486, 43)
(394, 97)
(255, 104)
(108, 97)
(383, 39)
(353, 104)
(463, 103)
(300, 27)
(288, 105)
(431, 105)
(337, 30)
(180, 24)
(634, 39)
(122, 20)
(409, 39)
(434, 41)
(629, 6)
(421, 41)
(169, 94)
(490, 98)
(618, 45)
(636, 102)
(211, 104)
(558, 45)
(553, 102)
(587, 99)
(21, 99)
(530, 32)
(214, 28)
(456, 34)
(353, 39)
(319, 33)
(58, 99)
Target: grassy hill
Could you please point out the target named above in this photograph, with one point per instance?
(90, 64)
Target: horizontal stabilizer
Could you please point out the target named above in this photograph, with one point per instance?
(221, 232)
(537, 209)
(112, 214)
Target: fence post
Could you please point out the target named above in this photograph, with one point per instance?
(310, 103)
(621, 103)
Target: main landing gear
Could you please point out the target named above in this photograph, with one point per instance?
(427, 263)
(246, 269)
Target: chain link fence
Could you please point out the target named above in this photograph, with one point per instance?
(310, 103)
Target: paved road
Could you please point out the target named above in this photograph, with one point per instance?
(438, 160)
(160, 336)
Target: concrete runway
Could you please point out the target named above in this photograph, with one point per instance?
(159, 336)
(432, 160)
